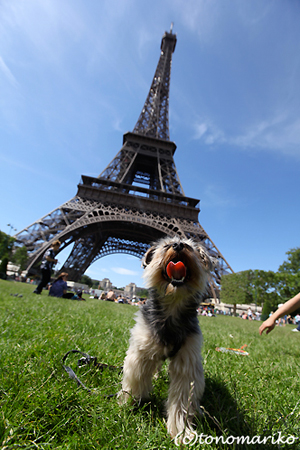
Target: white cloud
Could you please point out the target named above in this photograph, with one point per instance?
(7, 73)
(200, 130)
(274, 134)
(123, 271)
(279, 133)
(208, 132)
(95, 273)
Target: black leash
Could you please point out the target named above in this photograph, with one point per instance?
(83, 361)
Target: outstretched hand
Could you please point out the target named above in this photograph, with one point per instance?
(268, 324)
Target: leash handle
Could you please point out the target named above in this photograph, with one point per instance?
(71, 372)
(84, 360)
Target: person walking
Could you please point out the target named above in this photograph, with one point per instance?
(47, 264)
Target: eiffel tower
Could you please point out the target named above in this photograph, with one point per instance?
(137, 199)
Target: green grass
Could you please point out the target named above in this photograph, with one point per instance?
(42, 408)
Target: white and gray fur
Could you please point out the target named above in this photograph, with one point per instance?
(167, 327)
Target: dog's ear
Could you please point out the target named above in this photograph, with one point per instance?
(205, 258)
(148, 257)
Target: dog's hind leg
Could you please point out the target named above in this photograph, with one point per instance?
(186, 386)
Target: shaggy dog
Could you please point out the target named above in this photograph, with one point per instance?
(176, 273)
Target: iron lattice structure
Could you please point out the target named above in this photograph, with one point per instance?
(137, 199)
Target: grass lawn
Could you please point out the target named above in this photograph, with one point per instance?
(42, 408)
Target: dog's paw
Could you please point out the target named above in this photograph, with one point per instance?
(123, 397)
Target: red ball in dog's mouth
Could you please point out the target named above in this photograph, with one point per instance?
(176, 271)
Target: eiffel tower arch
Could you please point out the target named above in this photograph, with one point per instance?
(135, 200)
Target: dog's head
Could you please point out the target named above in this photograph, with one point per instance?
(174, 264)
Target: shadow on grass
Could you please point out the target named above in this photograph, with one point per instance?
(223, 418)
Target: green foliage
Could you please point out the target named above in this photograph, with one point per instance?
(236, 288)
(6, 246)
(85, 279)
(264, 287)
(3, 267)
(20, 257)
(143, 293)
(288, 285)
(249, 286)
(42, 408)
(292, 265)
(95, 284)
(269, 306)
(288, 276)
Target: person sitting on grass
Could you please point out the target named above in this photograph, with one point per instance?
(287, 308)
(79, 295)
(59, 287)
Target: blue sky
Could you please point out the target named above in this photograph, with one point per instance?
(74, 75)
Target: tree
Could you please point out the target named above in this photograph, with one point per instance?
(20, 257)
(264, 287)
(250, 286)
(86, 280)
(6, 246)
(143, 293)
(292, 265)
(289, 275)
(95, 284)
(236, 288)
(288, 285)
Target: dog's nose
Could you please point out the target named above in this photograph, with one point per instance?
(178, 246)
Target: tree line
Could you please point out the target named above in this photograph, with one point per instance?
(261, 287)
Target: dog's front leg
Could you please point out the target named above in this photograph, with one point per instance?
(186, 386)
(143, 359)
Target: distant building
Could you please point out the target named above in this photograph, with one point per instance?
(130, 290)
(105, 284)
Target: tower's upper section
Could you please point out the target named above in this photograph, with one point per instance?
(154, 118)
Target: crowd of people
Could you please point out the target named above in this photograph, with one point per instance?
(110, 296)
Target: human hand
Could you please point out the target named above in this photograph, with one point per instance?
(268, 324)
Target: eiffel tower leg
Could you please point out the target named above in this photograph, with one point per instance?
(38, 236)
(83, 252)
